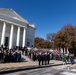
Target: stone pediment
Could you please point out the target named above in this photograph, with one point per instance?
(11, 13)
(10, 16)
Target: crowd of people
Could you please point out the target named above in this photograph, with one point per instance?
(43, 57)
(9, 55)
(15, 54)
(68, 59)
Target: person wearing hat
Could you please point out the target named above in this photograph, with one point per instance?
(39, 58)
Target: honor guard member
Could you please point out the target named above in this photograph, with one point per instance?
(39, 58)
(42, 58)
(48, 57)
(45, 58)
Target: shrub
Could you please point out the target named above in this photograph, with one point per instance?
(64, 58)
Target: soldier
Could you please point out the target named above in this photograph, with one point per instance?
(48, 57)
(45, 58)
(42, 58)
(39, 58)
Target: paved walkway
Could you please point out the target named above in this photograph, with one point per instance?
(25, 64)
(12, 66)
(44, 71)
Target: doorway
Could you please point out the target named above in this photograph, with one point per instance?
(6, 41)
(28, 44)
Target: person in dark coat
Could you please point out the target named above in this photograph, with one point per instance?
(6, 58)
(42, 58)
(34, 56)
(45, 58)
(1, 55)
(26, 51)
(39, 59)
(72, 60)
(48, 57)
(10, 57)
(19, 56)
(23, 51)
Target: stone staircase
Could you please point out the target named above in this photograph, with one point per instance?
(25, 58)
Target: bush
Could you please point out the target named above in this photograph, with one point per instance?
(64, 58)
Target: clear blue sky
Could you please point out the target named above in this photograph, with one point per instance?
(49, 16)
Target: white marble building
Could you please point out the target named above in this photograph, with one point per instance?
(14, 30)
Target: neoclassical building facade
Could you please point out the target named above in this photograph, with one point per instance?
(14, 30)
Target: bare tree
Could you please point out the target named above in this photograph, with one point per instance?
(50, 37)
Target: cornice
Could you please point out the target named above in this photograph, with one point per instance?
(15, 21)
(28, 25)
(11, 20)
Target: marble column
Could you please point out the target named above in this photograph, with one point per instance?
(11, 37)
(18, 36)
(67, 51)
(3, 33)
(24, 37)
(64, 51)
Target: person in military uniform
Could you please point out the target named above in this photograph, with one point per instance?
(42, 58)
(39, 58)
(45, 58)
(48, 57)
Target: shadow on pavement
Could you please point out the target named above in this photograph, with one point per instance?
(27, 68)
